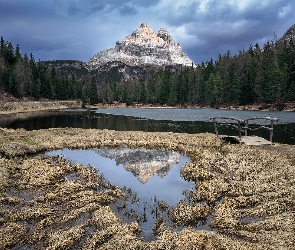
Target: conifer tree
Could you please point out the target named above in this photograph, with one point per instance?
(93, 95)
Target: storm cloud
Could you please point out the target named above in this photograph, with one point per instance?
(76, 29)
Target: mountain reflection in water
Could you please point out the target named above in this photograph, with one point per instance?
(142, 163)
(165, 181)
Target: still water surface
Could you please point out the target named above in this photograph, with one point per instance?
(196, 114)
(135, 119)
(152, 176)
(165, 182)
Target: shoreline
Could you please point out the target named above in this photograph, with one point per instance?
(288, 107)
(14, 107)
(23, 106)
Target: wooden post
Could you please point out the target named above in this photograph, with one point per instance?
(216, 129)
(215, 126)
(239, 127)
(246, 127)
(271, 132)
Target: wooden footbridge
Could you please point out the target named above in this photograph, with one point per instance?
(243, 126)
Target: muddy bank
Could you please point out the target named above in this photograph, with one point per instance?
(249, 192)
(12, 107)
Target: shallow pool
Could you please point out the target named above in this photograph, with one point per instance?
(150, 178)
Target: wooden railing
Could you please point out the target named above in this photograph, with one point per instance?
(243, 125)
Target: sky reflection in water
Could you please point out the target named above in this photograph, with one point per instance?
(163, 183)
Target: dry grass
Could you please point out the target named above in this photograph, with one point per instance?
(12, 107)
(249, 192)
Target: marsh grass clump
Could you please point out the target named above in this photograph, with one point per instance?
(62, 239)
(50, 203)
(187, 215)
(4, 174)
(8, 234)
(43, 207)
(262, 187)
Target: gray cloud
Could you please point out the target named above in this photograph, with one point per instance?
(221, 25)
(76, 29)
(127, 10)
(89, 7)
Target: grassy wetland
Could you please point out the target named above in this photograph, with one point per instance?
(248, 191)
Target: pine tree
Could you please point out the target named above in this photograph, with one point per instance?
(19, 76)
(291, 92)
(143, 92)
(18, 55)
(2, 45)
(85, 93)
(173, 91)
(93, 95)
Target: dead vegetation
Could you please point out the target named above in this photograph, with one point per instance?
(249, 192)
(10, 105)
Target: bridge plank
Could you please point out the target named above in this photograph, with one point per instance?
(252, 140)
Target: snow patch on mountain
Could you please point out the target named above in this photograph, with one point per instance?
(143, 47)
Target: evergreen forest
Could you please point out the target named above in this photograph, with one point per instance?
(22, 76)
(259, 75)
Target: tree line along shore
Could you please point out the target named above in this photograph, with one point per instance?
(265, 76)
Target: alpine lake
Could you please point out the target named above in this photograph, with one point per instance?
(190, 121)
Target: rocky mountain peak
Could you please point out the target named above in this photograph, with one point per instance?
(290, 34)
(143, 36)
(165, 36)
(143, 47)
(287, 37)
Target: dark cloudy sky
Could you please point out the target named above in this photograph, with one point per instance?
(77, 29)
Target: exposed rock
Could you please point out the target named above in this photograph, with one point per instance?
(290, 34)
(143, 47)
(68, 67)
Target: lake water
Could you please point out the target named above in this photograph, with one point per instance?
(149, 119)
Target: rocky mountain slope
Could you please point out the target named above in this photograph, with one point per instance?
(290, 34)
(67, 67)
(143, 47)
